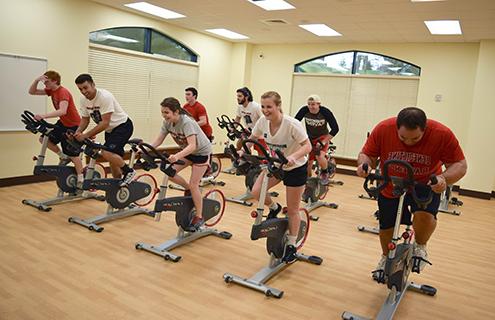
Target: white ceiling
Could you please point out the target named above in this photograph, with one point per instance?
(356, 20)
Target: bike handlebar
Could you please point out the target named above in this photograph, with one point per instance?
(33, 125)
(264, 157)
(400, 184)
(235, 130)
(151, 152)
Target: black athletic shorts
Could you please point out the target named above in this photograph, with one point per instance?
(197, 159)
(58, 136)
(296, 177)
(388, 208)
(118, 137)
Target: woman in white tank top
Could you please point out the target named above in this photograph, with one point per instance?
(288, 135)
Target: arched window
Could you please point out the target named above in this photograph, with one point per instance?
(358, 62)
(143, 40)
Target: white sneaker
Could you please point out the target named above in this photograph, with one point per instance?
(421, 256)
(127, 177)
(379, 273)
(79, 184)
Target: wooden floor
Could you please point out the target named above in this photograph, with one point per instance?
(50, 269)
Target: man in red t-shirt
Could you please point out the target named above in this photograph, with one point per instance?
(198, 111)
(426, 145)
(66, 111)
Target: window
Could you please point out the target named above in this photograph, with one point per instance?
(166, 46)
(369, 63)
(335, 63)
(143, 40)
(124, 38)
(358, 62)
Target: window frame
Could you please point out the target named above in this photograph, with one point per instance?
(354, 64)
(147, 42)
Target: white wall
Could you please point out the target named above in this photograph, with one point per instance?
(480, 144)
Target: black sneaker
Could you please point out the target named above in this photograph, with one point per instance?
(127, 177)
(273, 213)
(290, 254)
(379, 273)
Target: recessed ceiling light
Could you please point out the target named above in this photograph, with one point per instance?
(228, 34)
(154, 10)
(321, 30)
(271, 5)
(444, 27)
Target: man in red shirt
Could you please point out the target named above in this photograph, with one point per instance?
(66, 111)
(198, 111)
(427, 145)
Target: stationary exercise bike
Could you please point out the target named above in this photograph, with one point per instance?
(315, 191)
(66, 176)
(400, 261)
(372, 192)
(183, 206)
(274, 230)
(446, 199)
(332, 166)
(224, 122)
(123, 201)
(235, 130)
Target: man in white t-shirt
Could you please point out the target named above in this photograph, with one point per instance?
(106, 112)
(249, 111)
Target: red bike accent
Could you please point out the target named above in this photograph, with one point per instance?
(216, 219)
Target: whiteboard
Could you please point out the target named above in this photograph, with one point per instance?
(16, 75)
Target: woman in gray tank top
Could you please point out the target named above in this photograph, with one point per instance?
(195, 151)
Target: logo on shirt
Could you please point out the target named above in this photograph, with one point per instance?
(315, 122)
(247, 118)
(411, 157)
(179, 138)
(96, 116)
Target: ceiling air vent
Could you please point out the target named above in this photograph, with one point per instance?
(274, 22)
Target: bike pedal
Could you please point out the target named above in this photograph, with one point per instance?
(379, 276)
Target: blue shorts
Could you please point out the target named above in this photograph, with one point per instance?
(388, 209)
(58, 136)
(117, 139)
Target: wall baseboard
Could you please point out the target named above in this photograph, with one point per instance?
(476, 194)
(15, 181)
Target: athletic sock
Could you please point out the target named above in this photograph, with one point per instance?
(291, 240)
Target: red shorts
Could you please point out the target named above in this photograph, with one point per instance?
(324, 149)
